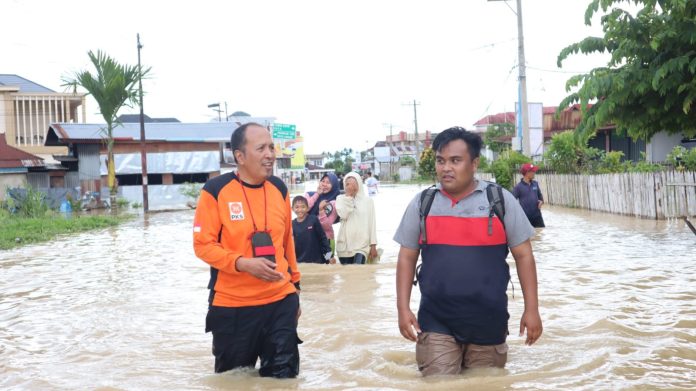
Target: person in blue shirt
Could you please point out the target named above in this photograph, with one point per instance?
(528, 193)
(311, 243)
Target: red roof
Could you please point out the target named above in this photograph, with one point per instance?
(11, 157)
(500, 118)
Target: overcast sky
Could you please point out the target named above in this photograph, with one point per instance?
(339, 70)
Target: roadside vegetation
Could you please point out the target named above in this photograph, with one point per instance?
(32, 220)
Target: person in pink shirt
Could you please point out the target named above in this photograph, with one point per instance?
(322, 203)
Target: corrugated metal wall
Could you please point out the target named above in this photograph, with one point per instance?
(72, 179)
(38, 180)
(88, 163)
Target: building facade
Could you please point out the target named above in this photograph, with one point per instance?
(27, 109)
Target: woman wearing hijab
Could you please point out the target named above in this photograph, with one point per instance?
(357, 237)
(322, 203)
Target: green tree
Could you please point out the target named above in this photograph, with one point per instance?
(648, 84)
(113, 85)
(426, 166)
(504, 167)
(494, 135)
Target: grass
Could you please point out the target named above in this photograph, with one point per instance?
(20, 231)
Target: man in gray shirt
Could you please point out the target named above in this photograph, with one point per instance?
(462, 317)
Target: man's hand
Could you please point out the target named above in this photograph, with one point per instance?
(540, 203)
(532, 322)
(408, 325)
(332, 261)
(261, 268)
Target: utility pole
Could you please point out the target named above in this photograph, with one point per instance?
(143, 154)
(524, 109)
(415, 126)
(390, 145)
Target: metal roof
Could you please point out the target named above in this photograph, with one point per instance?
(23, 84)
(60, 134)
(11, 157)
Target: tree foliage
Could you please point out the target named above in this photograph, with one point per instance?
(113, 85)
(649, 83)
(426, 166)
(494, 135)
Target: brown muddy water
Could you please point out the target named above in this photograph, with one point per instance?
(124, 309)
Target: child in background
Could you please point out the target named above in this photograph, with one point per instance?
(311, 243)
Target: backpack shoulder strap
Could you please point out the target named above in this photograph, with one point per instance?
(426, 201)
(496, 201)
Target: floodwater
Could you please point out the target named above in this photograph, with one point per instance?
(124, 309)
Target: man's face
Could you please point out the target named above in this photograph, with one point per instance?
(257, 156)
(351, 187)
(454, 168)
(300, 209)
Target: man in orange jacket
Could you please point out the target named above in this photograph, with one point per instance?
(243, 230)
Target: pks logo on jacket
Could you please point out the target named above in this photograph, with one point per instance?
(236, 211)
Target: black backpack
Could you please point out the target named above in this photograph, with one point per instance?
(494, 192)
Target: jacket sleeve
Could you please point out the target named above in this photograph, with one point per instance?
(289, 244)
(324, 243)
(345, 206)
(311, 199)
(206, 233)
(331, 217)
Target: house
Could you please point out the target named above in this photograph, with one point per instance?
(130, 118)
(605, 139)
(26, 110)
(177, 153)
(15, 166)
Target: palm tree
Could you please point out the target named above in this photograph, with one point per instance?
(113, 86)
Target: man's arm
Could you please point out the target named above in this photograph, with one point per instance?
(206, 230)
(405, 271)
(526, 272)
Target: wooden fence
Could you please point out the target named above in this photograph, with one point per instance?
(659, 195)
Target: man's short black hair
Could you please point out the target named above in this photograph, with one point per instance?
(473, 140)
(238, 138)
(299, 198)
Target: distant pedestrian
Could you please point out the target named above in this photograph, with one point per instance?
(357, 237)
(529, 195)
(372, 184)
(311, 243)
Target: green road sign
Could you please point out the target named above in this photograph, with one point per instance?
(284, 131)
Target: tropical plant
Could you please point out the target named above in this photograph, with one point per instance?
(113, 85)
(426, 166)
(648, 84)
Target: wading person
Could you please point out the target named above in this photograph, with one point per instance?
(243, 230)
(357, 237)
(311, 243)
(529, 194)
(322, 203)
(463, 238)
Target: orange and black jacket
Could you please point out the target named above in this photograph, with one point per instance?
(227, 213)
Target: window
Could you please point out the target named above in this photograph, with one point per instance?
(191, 178)
(136, 179)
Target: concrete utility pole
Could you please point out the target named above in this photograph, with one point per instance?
(524, 110)
(523, 106)
(415, 126)
(143, 153)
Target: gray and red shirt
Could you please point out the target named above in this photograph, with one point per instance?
(464, 274)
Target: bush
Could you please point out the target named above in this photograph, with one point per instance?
(191, 190)
(29, 203)
(396, 178)
(507, 164)
(122, 202)
(682, 159)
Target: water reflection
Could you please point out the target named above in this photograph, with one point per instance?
(124, 308)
